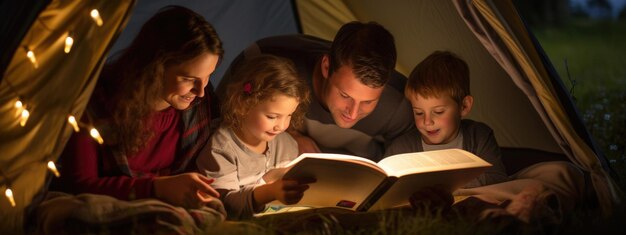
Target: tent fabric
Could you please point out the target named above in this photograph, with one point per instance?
(501, 65)
(542, 93)
(238, 23)
(421, 27)
(512, 87)
(60, 85)
(17, 16)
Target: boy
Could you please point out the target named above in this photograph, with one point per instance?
(439, 92)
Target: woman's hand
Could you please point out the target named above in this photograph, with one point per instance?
(189, 190)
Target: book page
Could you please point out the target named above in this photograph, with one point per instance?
(409, 163)
(342, 182)
(398, 194)
(278, 173)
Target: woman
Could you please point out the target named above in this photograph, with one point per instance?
(152, 106)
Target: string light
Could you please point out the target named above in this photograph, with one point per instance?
(95, 15)
(72, 120)
(9, 194)
(31, 56)
(23, 113)
(24, 118)
(69, 41)
(18, 104)
(53, 168)
(96, 135)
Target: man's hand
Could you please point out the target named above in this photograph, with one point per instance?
(189, 190)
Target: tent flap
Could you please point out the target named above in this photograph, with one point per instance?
(52, 83)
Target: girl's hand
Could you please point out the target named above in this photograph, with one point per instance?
(287, 191)
(290, 191)
(189, 190)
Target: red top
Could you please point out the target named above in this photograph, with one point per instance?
(86, 167)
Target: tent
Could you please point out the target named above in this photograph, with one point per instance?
(517, 92)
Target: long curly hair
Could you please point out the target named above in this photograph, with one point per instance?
(136, 78)
(259, 79)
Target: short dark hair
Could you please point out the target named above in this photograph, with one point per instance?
(368, 48)
(441, 73)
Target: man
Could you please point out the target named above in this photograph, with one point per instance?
(358, 106)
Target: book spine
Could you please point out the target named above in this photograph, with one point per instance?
(376, 194)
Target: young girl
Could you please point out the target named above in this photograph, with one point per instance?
(257, 109)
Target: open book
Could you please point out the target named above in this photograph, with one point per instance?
(358, 184)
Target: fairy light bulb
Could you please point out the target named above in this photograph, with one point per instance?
(53, 168)
(72, 120)
(24, 118)
(69, 41)
(19, 104)
(96, 135)
(95, 15)
(9, 194)
(31, 56)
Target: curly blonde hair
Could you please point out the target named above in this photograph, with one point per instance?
(259, 79)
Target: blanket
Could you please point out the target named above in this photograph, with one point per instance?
(62, 213)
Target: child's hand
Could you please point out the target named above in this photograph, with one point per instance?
(189, 190)
(290, 191)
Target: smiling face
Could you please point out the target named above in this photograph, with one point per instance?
(347, 98)
(184, 82)
(267, 119)
(438, 119)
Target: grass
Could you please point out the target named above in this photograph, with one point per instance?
(589, 56)
(408, 221)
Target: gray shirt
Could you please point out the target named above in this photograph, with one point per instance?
(477, 138)
(237, 170)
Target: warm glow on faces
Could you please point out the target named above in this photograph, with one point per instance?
(267, 119)
(349, 100)
(183, 82)
(437, 119)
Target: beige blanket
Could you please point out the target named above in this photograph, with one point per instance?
(62, 213)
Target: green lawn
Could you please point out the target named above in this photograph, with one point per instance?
(590, 57)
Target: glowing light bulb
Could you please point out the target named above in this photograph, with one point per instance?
(69, 41)
(19, 104)
(31, 56)
(9, 194)
(24, 118)
(96, 17)
(96, 135)
(19, 107)
(72, 120)
(53, 168)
